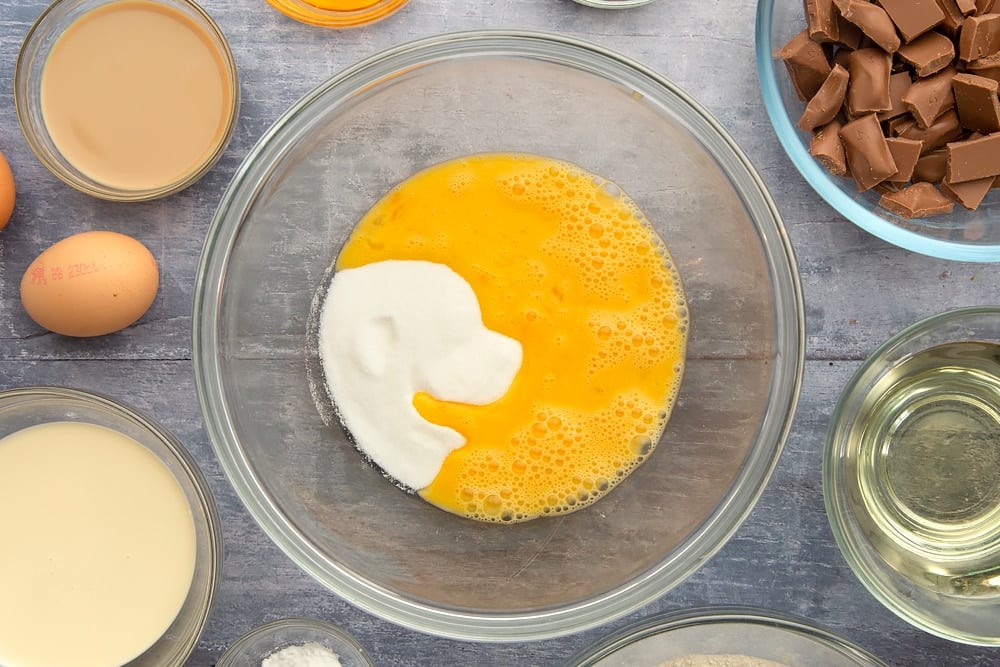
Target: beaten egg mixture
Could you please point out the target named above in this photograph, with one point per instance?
(564, 263)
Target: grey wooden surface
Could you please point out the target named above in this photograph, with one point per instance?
(858, 291)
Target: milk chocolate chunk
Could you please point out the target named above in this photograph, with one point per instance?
(867, 153)
(913, 18)
(946, 128)
(969, 194)
(973, 159)
(979, 36)
(988, 66)
(899, 83)
(828, 149)
(929, 53)
(977, 102)
(806, 63)
(869, 89)
(931, 96)
(986, 7)
(821, 16)
(920, 200)
(873, 21)
(905, 153)
(896, 127)
(953, 16)
(850, 34)
(886, 187)
(931, 167)
(967, 6)
(827, 101)
(841, 57)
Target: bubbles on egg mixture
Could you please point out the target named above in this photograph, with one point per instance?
(556, 465)
(565, 263)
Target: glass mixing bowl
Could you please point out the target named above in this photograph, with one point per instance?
(968, 236)
(282, 223)
(743, 631)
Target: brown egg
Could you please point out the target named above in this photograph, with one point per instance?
(90, 284)
(6, 192)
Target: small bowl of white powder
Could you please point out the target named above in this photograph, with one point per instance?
(724, 637)
(296, 642)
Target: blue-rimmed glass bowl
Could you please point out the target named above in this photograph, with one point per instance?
(970, 236)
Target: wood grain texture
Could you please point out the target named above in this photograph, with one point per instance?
(858, 291)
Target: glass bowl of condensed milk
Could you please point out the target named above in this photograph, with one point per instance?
(127, 100)
(112, 541)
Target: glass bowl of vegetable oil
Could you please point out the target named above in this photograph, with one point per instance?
(911, 474)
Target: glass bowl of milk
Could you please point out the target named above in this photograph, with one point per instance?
(112, 538)
(399, 252)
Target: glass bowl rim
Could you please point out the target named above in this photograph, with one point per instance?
(702, 544)
(337, 18)
(666, 621)
(180, 454)
(236, 649)
(615, 4)
(820, 180)
(840, 516)
(27, 120)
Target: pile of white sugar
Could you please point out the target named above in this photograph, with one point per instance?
(392, 329)
(303, 655)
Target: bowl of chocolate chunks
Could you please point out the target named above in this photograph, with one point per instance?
(890, 111)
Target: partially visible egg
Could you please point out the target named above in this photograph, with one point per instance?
(6, 192)
(90, 284)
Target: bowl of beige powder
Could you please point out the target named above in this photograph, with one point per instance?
(724, 637)
(296, 642)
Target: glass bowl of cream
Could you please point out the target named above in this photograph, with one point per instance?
(151, 125)
(113, 538)
(469, 332)
(296, 641)
(723, 636)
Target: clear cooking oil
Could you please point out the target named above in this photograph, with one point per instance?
(925, 478)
